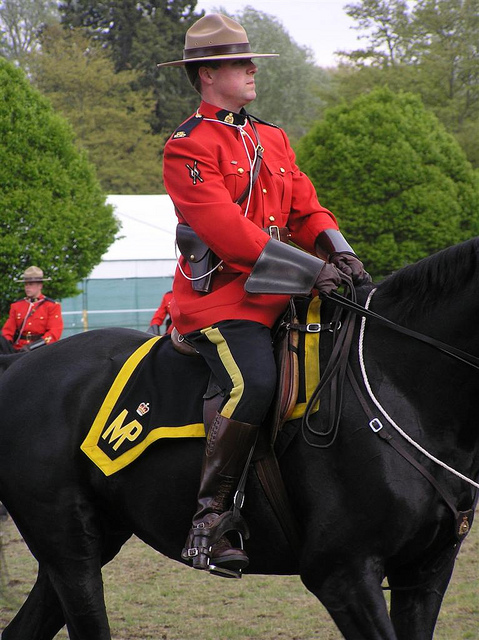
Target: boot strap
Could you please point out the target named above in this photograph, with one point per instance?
(203, 537)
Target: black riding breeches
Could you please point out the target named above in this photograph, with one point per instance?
(240, 355)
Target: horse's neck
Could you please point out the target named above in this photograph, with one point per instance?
(438, 391)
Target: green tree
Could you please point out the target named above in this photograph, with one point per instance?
(400, 185)
(386, 24)
(110, 119)
(447, 51)
(429, 47)
(21, 22)
(53, 210)
(139, 35)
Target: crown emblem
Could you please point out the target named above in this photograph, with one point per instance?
(229, 119)
(143, 408)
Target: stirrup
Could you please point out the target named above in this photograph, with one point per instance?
(202, 538)
(223, 572)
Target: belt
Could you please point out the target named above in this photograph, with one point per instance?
(30, 336)
(278, 233)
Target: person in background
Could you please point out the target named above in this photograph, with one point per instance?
(35, 320)
(236, 188)
(162, 314)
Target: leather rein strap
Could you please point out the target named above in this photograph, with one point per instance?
(463, 519)
(467, 358)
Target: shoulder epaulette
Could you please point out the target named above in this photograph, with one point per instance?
(50, 299)
(268, 124)
(187, 127)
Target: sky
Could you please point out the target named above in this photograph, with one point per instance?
(321, 25)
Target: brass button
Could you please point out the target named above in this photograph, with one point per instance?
(240, 170)
(220, 268)
(192, 256)
(282, 169)
(265, 190)
(272, 218)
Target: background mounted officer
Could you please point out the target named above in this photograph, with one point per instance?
(35, 320)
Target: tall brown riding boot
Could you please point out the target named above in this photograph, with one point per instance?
(228, 445)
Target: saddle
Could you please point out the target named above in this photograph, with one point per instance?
(285, 345)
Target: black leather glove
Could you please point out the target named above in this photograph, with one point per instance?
(33, 345)
(328, 280)
(351, 266)
(154, 329)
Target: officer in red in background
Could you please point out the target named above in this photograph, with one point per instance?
(35, 320)
(162, 314)
(237, 189)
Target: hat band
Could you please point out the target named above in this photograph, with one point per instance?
(216, 50)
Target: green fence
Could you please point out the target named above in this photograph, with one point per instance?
(114, 302)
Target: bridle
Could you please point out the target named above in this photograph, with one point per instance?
(338, 368)
(354, 307)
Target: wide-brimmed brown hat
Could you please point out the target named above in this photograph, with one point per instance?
(32, 274)
(216, 37)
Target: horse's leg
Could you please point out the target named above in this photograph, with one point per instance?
(77, 580)
(41, 615)
(414, 612)
(352, 594)
(71, 544)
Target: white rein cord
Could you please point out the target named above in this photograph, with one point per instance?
(387, 416)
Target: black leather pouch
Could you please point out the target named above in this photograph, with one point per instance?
(199, 256)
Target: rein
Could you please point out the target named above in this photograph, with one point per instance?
(352, 306)
(338, 366)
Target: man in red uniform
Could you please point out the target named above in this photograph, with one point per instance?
(35, 320)
(234, 182)
(162, 314)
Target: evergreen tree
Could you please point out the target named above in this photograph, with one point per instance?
(400, 185)
(139, 35)
(54, 213)
(110, 119)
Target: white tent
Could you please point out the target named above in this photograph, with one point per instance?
(145, 244)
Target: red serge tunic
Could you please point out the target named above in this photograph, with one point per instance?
(43, 320)
(207, 165)
(163, 311)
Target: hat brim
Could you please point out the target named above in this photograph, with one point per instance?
(225, 56)
(31, 280)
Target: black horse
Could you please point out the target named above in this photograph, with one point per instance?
(365, 512)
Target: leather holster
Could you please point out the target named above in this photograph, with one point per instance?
(199, 256)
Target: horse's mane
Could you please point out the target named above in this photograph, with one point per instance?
(419, 287)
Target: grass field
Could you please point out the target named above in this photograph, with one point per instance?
(152, 598)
